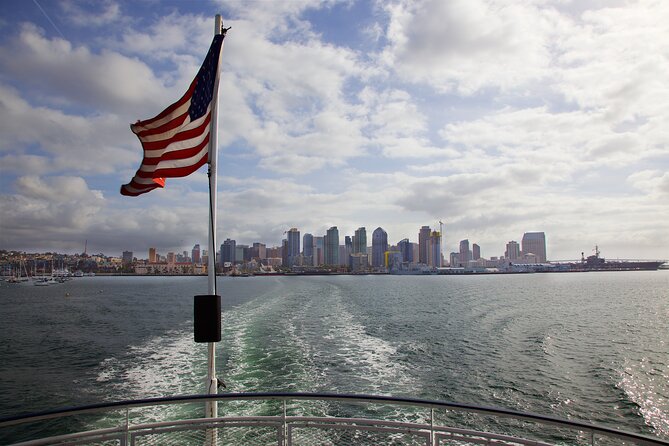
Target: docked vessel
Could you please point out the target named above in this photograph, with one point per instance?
(597, 263)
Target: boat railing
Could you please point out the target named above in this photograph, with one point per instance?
(287, 419)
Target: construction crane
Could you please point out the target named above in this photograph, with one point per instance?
(441, 245)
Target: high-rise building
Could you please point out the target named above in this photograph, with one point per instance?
(360, 241)
(476, 251)
(423, 243)
(535, 243)
(455, 259)
(331, 246)
(284, 253)
(392, 259)
(127, 257)
(308, 245)
(344, 253)
(195, 255)
(406, 249)
(465, 253)
(512, 251)
(319, 251)
(171, 257)
(434, 249)
(274, 253)
(152, 255)
(379, 247)
(228, 251)
(293, 246)
(358, 262)
(259, 251)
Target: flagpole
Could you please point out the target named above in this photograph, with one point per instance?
(211, 408)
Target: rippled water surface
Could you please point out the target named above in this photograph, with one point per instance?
(587, 346)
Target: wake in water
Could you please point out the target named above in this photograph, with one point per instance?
(301, 341)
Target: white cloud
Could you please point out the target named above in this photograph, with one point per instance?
(73, 74)
(568, 141)
(105, 13)
(652, 182)
(72, 143)
(170, 37)
(469, 44)
(614, 60)
(46, 209)
(288, 100)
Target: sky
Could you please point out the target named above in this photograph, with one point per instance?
(495, 117)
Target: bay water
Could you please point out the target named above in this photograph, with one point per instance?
(583, 346)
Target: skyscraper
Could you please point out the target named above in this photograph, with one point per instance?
(307, 245)
(285, 261)
(379, 247)
(465, 254)
(127, 257)
(360, 241)
(152, 255)
(512, 251)
(454, 259)
(228, 249)
(259, 251)
(434, 249)
(535, 243)
(406, 249)
(423, 243)
(331, 246)
(293, 246)
(195, 254)
(476, 251)
(319, 251)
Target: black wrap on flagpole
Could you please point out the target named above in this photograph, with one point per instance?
(207, 318)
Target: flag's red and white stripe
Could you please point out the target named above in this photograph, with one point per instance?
(173, 146)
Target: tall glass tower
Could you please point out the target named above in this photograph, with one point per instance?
(360, 241)
(308, 248)
(293, 246)
(423, 244)
(331, 246)
(379, 246)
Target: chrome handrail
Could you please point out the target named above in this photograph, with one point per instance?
(283, 420)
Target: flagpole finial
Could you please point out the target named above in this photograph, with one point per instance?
(218, 26)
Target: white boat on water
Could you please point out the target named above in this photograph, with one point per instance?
(43, 281)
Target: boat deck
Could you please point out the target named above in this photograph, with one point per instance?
(286, 419)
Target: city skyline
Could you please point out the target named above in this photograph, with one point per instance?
(532, 242)
(496, 120)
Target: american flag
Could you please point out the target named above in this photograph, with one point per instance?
(176, 142)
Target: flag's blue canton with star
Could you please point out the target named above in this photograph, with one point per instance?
(206, 77)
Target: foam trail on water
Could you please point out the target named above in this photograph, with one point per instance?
(370, 359)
